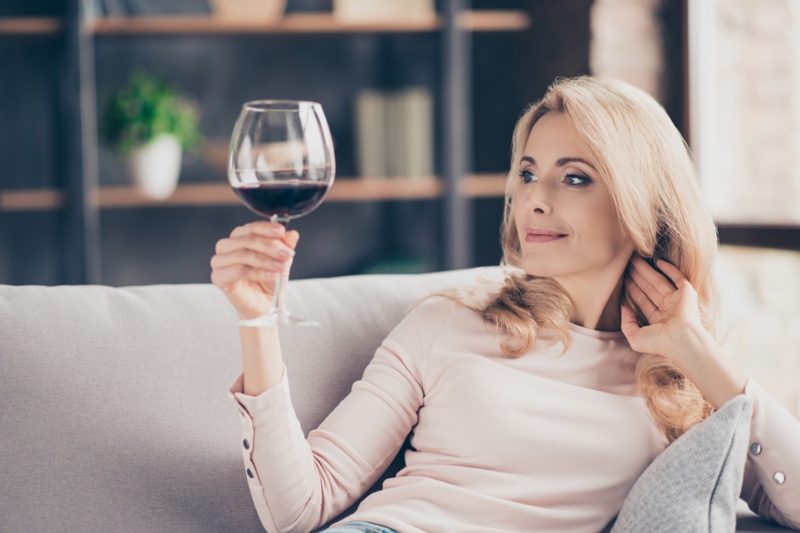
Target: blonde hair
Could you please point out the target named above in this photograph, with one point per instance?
(648, 170)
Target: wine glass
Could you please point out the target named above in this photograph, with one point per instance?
(281, 165)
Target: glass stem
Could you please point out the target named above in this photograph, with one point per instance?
(279, 305)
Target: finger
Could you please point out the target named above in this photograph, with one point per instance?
(249, 257)
(657, 280)
(673, 273)
(653, 293)
(264, 228)
(641, 299)
(656, 285)
(630, 325)
(291, 239)
(226, 277)
(274, 248)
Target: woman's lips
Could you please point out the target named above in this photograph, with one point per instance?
(542, 236)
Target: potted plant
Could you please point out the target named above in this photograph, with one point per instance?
(149, 123)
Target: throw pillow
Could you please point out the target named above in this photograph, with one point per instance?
(694, 484)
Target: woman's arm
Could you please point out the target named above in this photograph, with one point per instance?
(772, 472)
(245, 267)
(298, 484)
(262, 361)
(771, 484)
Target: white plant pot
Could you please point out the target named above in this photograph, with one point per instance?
(156, 167)
(265, 11)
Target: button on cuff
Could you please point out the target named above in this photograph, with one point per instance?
(755, 448)
(779, 478)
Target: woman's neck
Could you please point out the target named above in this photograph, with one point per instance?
(596, 303)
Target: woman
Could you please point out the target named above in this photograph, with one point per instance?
(530, 407)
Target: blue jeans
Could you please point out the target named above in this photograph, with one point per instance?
(365, 527)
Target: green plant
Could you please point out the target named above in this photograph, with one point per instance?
(145, 108)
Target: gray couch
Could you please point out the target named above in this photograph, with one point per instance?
(114, 408)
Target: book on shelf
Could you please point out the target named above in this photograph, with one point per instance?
(139, 8)
(394, 133)
(114, 8)
(366, 11)
(92, 9)
(370, 131)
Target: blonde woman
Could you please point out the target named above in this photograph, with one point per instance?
(530, 407)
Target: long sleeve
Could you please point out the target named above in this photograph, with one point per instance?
(298, 484)
(771, 485)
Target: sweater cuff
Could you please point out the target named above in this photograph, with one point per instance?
(774, 434)
(264, 401)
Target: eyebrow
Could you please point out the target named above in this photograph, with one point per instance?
(561, 162)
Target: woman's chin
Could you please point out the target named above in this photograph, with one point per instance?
(539, 271)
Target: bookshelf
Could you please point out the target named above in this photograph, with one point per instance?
(81, 198)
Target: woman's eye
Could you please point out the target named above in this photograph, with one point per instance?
(527, 176)
(576, 179)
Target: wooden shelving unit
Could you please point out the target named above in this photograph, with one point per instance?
(474, 21)
(82, 197)
(220, 194)
(30, 25)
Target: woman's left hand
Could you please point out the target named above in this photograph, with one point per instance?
(675, 331)
(669, 303)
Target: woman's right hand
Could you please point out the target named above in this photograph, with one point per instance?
(246, 265)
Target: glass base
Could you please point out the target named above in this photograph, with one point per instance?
(275, 318)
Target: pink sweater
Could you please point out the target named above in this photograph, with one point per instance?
(543, 442)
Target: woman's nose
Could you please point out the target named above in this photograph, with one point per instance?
(540, 199)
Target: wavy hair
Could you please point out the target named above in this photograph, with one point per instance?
(648, 169)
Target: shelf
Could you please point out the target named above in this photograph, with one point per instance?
(30, 26)
(484, 185)
(38, 200)
(478, 21)
(220, 194)
(343, 190)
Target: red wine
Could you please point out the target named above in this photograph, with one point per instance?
(284, 199)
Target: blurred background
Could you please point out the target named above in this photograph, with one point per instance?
(421, 97)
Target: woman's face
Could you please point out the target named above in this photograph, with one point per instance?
(567, 225)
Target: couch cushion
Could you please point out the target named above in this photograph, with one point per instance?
(115, 415)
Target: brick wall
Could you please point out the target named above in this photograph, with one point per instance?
(628, 43)
(752, 174)
(754, 135)
(761, 318)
